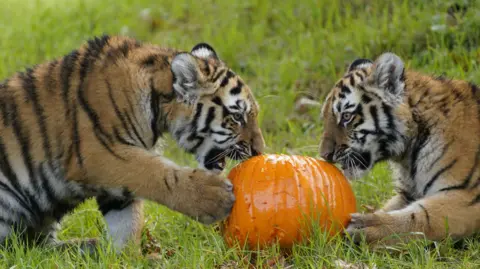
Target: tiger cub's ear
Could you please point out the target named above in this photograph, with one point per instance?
(204, 51)
(388, 74)
(186, 76)
(189, 84)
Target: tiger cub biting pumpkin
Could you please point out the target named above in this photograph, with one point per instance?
(85, 125)
(427, 128)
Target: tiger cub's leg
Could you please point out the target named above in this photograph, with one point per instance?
(197, 193)
(125, 225)
(452, 213)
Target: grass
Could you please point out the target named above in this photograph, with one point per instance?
(283, 50)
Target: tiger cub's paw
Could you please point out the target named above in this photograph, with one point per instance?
(372, 226)
(206, 197)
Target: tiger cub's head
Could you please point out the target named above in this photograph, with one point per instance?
(218, 117)
(362, 115)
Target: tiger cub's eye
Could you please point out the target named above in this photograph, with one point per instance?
(347, 116)
(238, 117)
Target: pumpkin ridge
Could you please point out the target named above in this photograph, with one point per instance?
(299, 174)
(253, 206)
(275, 189)
(243, 173)
(319, 185)
(313, 198)
(342, 192)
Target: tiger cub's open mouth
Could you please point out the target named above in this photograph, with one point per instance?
(216, 158)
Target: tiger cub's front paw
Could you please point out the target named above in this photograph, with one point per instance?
(373, 226)
(205, 196)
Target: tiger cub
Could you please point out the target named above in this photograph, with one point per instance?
(427, 128)
(85, 125)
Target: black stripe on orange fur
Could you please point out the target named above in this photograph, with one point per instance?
(196, 116)
(468, 178)
(420, 141)
(93, 50)
(32, 95)
(23, 140)
(66, 70)
(427, 216)
(475, 201)
(208, 120)
(116, 108)
(226, 78)
(437, 175)
(49, 78)
(133, 127)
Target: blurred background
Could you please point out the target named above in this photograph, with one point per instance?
(284, 50)
(290, 53)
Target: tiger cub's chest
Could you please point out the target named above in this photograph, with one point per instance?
(404, 182)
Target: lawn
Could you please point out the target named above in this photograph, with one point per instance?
(284, 50)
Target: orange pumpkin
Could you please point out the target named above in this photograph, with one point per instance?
(278, 197)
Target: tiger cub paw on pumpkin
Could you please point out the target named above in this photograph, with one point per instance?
(203, 195)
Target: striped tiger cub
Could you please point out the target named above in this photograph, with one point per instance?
(427, 128)
(85, 126)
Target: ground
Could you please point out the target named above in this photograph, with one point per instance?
(284, 50)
